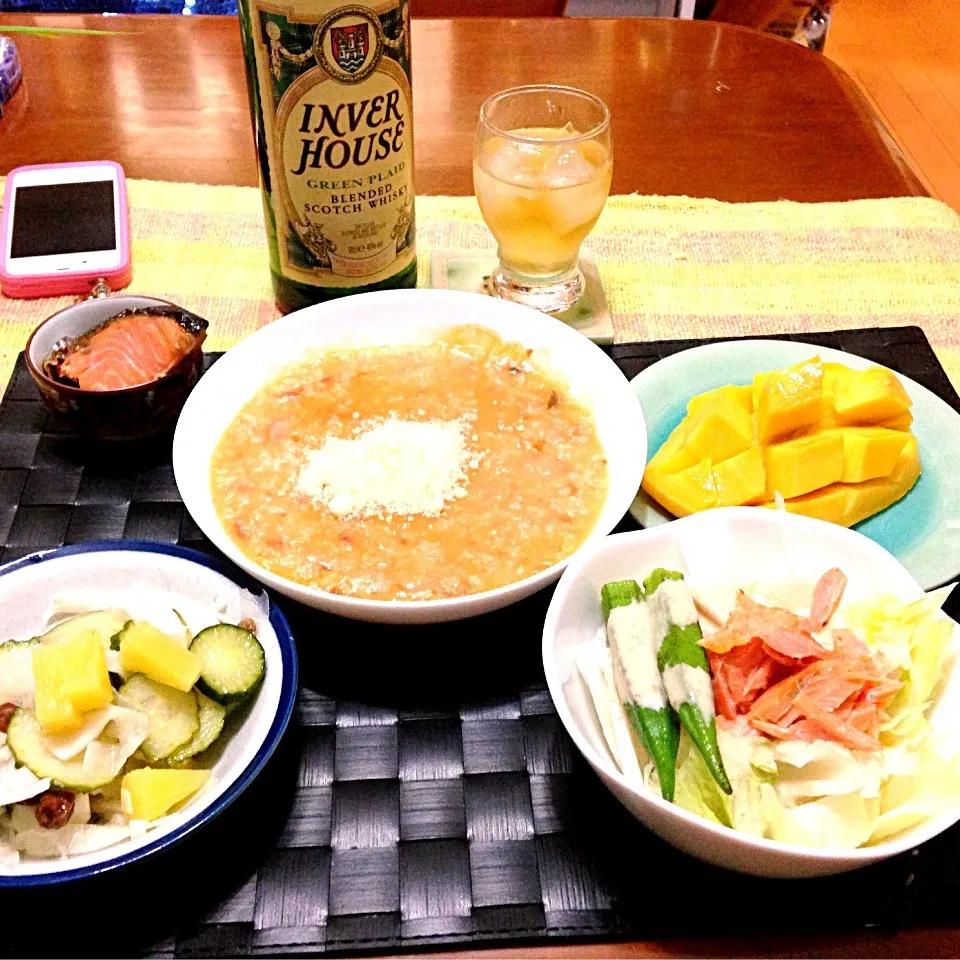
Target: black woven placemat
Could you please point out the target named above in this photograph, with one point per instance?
(429, 795)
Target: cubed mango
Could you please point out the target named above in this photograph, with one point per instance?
(788, 400)
(686, 491)
(849, 503)
(833, 442)
(796, 467)
(870, 452)
(902, 421)
(868, 396)
(739, 395)
(719, 430)
(741, 479)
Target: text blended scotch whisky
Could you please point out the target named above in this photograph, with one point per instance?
(333, 121)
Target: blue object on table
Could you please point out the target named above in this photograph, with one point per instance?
(9, 70)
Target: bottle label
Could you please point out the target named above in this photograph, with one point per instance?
(337, 114)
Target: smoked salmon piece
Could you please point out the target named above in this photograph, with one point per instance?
(769, 672)
(826, 597)
(127, 351)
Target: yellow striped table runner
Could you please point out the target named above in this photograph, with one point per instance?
(671, 267)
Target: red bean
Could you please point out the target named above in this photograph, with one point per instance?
(6, 715)
(54, 809)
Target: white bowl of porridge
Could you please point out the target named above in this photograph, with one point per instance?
(410, 456)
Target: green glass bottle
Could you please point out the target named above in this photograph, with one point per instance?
(333, 120)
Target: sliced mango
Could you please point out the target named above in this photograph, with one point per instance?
(740, 479)
(901, 422)
(788, 400)
(683, 492)
(870, 452)
(828, 504)
(832, 441)
(868, 396)
(722, 429)
(144, 649)
(146, 794)
(672, 455)
(857, 501)
(71, 678)
(739, 395)
(795, 467)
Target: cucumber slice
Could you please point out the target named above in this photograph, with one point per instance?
(24, 738)
(174, 716)
(233, 662)
(118, 636)
(211, 716)
(105, 622)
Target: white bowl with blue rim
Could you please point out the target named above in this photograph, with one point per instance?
(728, 545)
(922, 529)
(253, 732)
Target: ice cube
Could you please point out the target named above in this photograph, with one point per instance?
(516, 162)
(567, 168)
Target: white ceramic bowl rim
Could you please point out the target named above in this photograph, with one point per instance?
(903, 842)
(281, 719)
(456, 302)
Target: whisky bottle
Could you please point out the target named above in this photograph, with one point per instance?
(333, 121)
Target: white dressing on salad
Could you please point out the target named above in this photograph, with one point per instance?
(672, 603)
(686, 684)
(634, 641)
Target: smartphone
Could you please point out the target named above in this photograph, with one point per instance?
(63, 227)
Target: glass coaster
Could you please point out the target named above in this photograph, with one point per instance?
(468, 270)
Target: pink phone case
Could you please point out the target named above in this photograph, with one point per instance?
(60, 283)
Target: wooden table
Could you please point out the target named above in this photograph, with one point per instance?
(698, 108)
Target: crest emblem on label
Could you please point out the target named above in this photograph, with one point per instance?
(348, 44)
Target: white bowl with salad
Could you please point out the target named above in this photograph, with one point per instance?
(770, 693)
(142, 688)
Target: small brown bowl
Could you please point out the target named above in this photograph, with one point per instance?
(128, 414)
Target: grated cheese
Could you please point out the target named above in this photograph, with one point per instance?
(395, 467)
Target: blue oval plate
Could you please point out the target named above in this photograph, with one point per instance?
(922, 530)
(254, 729)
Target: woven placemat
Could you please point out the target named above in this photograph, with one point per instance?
(428, 794)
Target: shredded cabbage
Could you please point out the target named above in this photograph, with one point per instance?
(821, 793)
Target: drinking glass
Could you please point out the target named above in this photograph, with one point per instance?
(542, 163)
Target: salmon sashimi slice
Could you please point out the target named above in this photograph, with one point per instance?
(128, 351)
(827, 595)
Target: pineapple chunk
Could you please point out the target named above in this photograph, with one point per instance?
(71, 677)
(144, 649)
(146, 794)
